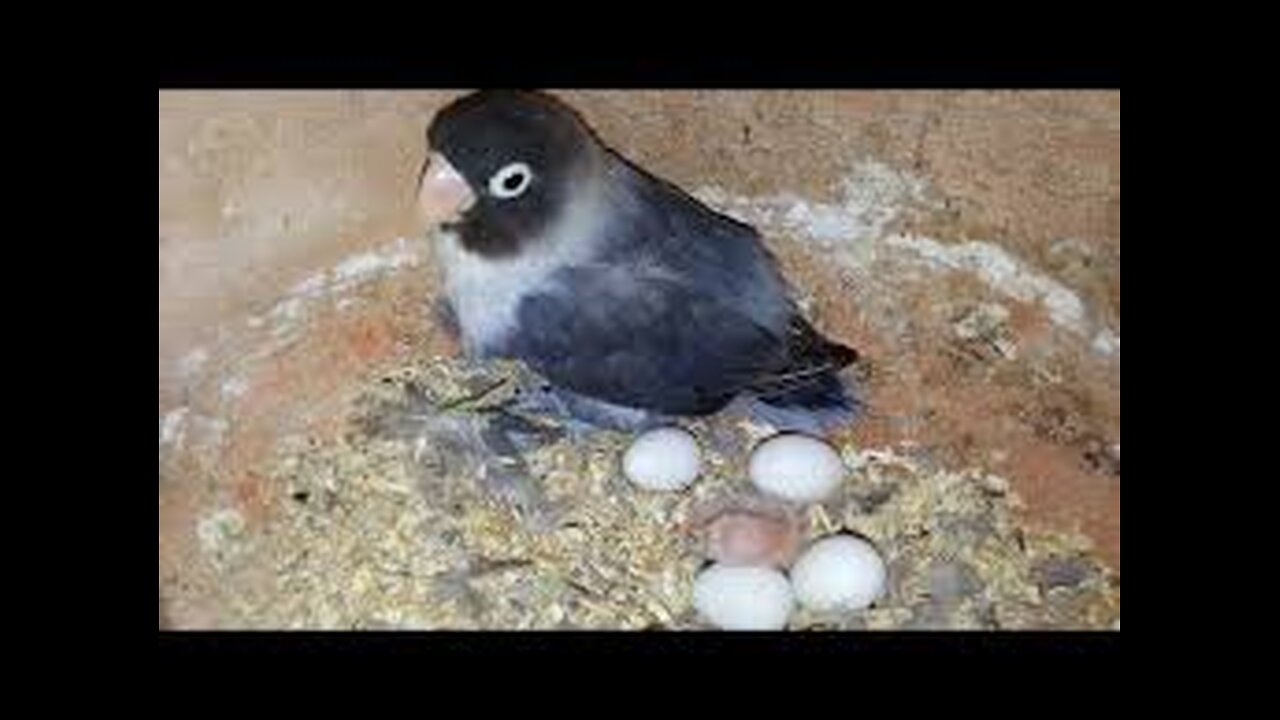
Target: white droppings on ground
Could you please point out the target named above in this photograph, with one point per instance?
(361, 267)
(1106, 343)
(172, 425)
(191, 363)
(183, 429)
(1004, 273)
(313, 285)
(234, 387)
(285, 315)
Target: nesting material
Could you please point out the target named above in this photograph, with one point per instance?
(796, 467)
(743, 598)
(663, 459)
(411, 521)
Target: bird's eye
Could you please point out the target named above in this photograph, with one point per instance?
(511, 180)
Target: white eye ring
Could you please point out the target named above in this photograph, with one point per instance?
(498, 184)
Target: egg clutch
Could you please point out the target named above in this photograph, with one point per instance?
(757, 571)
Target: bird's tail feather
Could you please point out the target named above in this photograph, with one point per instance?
(814, 407)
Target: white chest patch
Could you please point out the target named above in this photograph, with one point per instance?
(486, 292)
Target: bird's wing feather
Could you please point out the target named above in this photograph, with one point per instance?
(656, 223)
(643, 340)
(809, 357)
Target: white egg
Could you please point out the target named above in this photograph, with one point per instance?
(662, 459)
(840, 572)
(796, 467)
(743, 598)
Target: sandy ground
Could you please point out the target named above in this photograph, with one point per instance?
(967, 243)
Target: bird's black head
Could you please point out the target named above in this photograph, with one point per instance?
(518, 153)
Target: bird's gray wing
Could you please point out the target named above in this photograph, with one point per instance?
(643, 339)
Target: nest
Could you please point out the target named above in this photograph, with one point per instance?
(441, 509)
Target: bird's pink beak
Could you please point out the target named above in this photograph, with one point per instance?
(443, 194)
